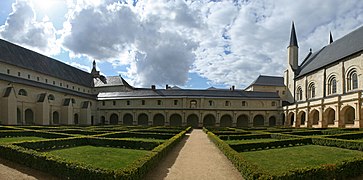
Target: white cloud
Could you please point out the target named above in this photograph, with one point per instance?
(21, 27)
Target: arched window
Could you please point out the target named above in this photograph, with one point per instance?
(352, 80)
(311, 90)
(299, 94)
(22, 92)
(244, 103)
(332, 85)
(193, 104)
(51, 97)
(227, 103)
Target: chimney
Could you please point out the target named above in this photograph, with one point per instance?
(233, 88)
(166, 86)
(153, 87)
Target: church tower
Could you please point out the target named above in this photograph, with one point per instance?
(292, 65)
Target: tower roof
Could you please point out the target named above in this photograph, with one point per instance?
(330, 38)
(293, 39)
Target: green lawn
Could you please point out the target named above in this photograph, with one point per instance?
(101, 157)
(18, 139)
(285, 159)
(250, 141)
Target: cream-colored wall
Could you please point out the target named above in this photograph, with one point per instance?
(280, 90)
(323, 101)
(14, 70)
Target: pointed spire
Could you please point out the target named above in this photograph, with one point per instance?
(293, 39)
(330, 38)
(94, 63)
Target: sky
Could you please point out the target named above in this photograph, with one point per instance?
(192, 44)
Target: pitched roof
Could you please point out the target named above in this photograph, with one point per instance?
(268, 81)
(160, 93)
(346, 46)
(27, 59)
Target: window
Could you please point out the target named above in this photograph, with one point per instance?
(299, 94)
(352, 80)
(311, 91)
(273, 103)
(37, 78)
(103, 103)
(114, 103)
(159, 102)
(28, 76)
(53, 82)
(277, 91)
(51, 97)
(22, 92)
(19, 73)
(193, 104)
(67, 85)
(283, 92)
(227, 103)
(46, 80)
(175, 102)
(211, 103)
(244, 103)
(142, 102)
(128, 103)
(8, 71)
(73, 101)
(72, 87)
(79, 89)
(332, 85)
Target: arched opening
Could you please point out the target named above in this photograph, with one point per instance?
(29, 117)
(159, 120)
(114, 119)
(258, 121)
(226, 121)
(272, 121)
(103, 120)
(75, 119)
(302, 116)
(330, 116)
(176, 120)
(55, 117)
(193, 121)
(349, 115)
(314, 116)
(209, 120)
(128, 120)
(242, 121)
(92, 120)
(142, 119)
(18, 116)
(291, 118)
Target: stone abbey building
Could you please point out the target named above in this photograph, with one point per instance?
(323, 91)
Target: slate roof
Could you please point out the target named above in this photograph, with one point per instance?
(25, 58)
(263, 80)
(111, 81)
(160, 93)
(346, 46)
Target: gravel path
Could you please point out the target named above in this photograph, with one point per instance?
(196, 157)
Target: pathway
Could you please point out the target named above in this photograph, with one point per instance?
(196, 157)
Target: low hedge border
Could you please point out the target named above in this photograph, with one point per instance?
(138, 135)
(37, 133)
(242, 137)
(342, 170)
(350, 135)
(240, 147)
(71, 170)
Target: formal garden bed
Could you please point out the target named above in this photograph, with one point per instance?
(89, 152)
(293, 153)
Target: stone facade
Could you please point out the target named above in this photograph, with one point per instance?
(328, 95)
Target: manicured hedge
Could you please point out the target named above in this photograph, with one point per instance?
(342, 170)
(81, 132)
(273, 144)
(306, 133)
(21, 133)
(167, 131)
(347, 144)
(71, 170)
(138, 135)
(81, 141)
(241, 137)
(218, 133)
(352, 135)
